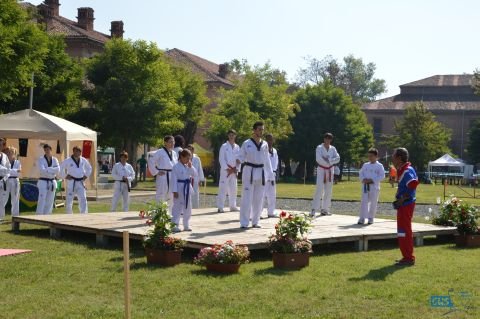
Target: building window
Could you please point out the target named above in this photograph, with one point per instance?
(377, 126)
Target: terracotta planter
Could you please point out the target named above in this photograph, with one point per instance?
(290, 261)
(467, 240)
(163, 257)
(223, 268)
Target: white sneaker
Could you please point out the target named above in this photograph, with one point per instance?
(234, 209)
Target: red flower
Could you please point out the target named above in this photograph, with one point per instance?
(142, 214)
(283, 214)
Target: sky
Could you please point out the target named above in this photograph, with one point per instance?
(407, 40)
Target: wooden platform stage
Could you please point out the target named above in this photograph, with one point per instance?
(210, 227)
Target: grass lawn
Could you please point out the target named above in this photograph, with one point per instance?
(426, 194)
(70, 278)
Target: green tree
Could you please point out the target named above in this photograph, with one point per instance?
(419, 132)
(58, 83)
(325, 108)
(193, 98)
(352, 75)
(260, 93)
(474, 142)
(23, 47)
(135, 95)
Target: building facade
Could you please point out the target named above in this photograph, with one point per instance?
(451, 98)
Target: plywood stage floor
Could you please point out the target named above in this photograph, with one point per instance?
(210, 227)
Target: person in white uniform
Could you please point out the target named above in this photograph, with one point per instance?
(257, 171)
(75, 170)
(4, 173)
(163, 161)
(12, 188)
(326, 156)
(183, 173)
(48, 167)
(123, 174)
(271, 188)
(371, 174)
(179, 144)
(197, 182)
(229, 168)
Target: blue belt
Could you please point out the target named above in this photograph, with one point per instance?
(186, 189)
(366, 188)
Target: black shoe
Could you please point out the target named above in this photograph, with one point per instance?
(405, 263)
(243, 227)
(325, 213)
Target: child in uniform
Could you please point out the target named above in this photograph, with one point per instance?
(371, 174)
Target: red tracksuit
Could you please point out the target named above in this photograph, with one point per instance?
(407, 185)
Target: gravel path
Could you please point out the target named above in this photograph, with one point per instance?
(338, 207)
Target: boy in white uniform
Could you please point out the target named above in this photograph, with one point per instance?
(122, 173)
(48, 167)
(197, 182)
(76, 169)
(326, 156)
(4, 173)
(163, 161)
(13, 183)
(182, 174)
(256, 172)
(271, 188)
(229, 168)
(371, 174)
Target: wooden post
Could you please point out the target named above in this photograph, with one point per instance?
(444, 189)
(126, 271)
(305, 173)
(205, 193)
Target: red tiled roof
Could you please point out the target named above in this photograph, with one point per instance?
(207, 69)
(70, 29)
(443, 80)
(432, 102)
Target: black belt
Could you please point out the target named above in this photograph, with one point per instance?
(251, 171)
(48, 180)
(75, 180)
(12, 176)
(168, 175)
(128, 185)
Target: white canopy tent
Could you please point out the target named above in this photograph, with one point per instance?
(445, 161)
(40, 128)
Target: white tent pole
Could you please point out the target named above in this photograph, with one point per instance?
(30, 104)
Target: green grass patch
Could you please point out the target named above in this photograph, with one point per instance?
(70, 278)
(351, 191)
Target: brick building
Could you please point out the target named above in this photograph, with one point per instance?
(450, 98)
(81, 38)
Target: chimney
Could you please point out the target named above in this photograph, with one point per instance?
(116, 30)
(85, 18)
(223, 70)
(54, 6)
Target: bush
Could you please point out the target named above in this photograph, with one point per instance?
(457, 213)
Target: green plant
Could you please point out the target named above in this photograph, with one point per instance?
(227, 253)
(290, 234)
(159, 237)
(457, 213)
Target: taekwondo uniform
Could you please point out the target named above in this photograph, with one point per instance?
(227, 184)
(121, 188)
(407, 185)
(370, 192)
(163, 162)
(256, 172)
(13, 186)
(77, 170)
(182, 177)
(197, 163)
(47, 184)
(4, 173)
(271, 187)
(325, 171)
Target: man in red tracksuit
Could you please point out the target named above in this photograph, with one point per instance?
(405, 204)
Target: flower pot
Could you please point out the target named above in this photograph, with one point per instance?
(223, 268)
(163, 257)
(290, 261)
(466, 240)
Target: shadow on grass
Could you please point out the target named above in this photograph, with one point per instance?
(275, 272)
(379, 274)
(205, 273)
